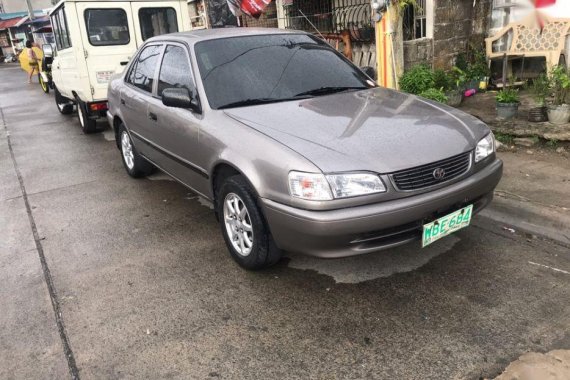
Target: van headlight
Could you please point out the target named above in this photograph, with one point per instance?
(320, 187)
(485, 147)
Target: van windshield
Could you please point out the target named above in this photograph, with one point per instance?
(107, 27)
(241, 71)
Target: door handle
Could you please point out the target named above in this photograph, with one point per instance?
(124, 63)
(152, 116)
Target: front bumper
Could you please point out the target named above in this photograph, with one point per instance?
(374, 227)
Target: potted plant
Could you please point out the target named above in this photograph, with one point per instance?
(507, 103)
(541, 90)
(456, 86)
(559, 110)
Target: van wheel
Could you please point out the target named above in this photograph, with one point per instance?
(244, 228)
(64, 105)
(44, 84)
(135, 165)
(88, 125)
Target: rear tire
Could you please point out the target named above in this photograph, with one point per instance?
(244, 228)
(64, 105)
(135, 165)
(87, 124)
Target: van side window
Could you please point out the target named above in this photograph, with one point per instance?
(107, 26)
(142, 73)
(60, 29)
(175, 70)
(157, 21)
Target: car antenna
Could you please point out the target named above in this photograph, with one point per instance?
(309, 21)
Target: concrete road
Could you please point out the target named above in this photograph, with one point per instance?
(104, 276)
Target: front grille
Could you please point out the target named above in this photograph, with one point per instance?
(423, 176)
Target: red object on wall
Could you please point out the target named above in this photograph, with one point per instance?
(253, 8)
(544, 3)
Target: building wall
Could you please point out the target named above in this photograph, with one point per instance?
(418, 52)
(10, 6)
(456, 23)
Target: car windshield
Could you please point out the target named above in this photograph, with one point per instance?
(241, 71)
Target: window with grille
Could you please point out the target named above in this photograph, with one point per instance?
(415, 20)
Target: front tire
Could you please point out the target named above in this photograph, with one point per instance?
(88, 125)
(44, 84)
(243, 226)
(135, 165)
(64, 105)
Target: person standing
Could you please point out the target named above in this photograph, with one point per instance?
(33, 60)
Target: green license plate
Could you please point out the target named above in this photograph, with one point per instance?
(446, 225)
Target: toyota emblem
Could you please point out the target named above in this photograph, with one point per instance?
(439, 173)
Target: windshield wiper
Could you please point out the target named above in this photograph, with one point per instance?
(330, 90)
(253, 102)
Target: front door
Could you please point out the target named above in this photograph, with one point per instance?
(109, 41)
(178, 129)
(153, 20)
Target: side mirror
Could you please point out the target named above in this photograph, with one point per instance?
(48, 50)
(368, 70)
(180, 98)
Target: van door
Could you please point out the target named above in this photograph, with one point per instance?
(156, 18)
(109, 41)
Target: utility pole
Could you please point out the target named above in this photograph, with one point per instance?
(30, 9)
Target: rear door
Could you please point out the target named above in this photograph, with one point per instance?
(109, 41)
(140, 83)
(156, 18)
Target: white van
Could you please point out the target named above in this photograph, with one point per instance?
(95, 39)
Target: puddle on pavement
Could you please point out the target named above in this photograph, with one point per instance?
(356, 269)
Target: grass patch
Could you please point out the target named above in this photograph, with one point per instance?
(505, 138)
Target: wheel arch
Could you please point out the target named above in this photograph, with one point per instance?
(222, 171)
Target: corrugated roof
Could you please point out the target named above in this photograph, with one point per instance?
(5, 24)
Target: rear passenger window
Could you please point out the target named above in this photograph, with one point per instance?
(107, 27)
(142, 72)
(157, 21)
(175, 70)
(60, 29)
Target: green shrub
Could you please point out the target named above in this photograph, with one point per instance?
(443, 80)
(434, 94)
(508, 96)
(541, 89)
(560, 85)
(417, 80)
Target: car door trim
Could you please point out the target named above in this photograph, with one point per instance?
(172, 156)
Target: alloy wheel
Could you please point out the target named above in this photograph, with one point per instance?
(127, 150)
(238, 224)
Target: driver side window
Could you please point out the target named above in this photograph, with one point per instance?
(175, 70)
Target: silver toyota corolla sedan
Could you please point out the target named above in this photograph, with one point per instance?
(296, 147)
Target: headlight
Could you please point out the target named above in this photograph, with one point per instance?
(317, 187)
(350, 185)
(485, 147)
(309, 186)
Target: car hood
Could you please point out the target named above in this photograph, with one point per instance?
(378, 130)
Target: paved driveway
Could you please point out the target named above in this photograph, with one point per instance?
(104, 276)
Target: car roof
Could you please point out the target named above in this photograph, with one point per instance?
(211, 34)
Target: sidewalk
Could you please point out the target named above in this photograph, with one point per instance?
(534, 194)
